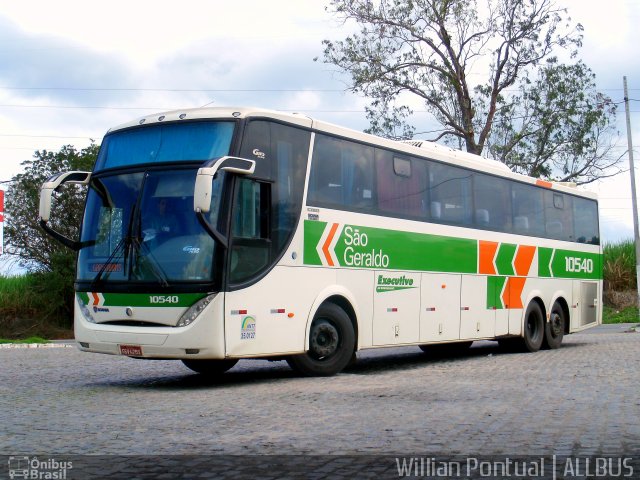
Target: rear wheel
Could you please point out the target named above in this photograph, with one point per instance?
(554, 328)
(533, 334)
(210, 367)
(331, 343)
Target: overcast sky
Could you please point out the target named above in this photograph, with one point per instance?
(69, 70)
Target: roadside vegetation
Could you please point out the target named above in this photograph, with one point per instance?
(620, 294)
(34, 306)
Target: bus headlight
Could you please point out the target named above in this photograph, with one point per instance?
(86, 313)
(194, 310)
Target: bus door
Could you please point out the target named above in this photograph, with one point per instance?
(396, 308)
(584, 309)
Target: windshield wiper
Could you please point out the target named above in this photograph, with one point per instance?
(151, 260)
(121, 248)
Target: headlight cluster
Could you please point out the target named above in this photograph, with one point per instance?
(194, 310)
(85, 310)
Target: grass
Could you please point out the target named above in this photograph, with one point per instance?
(624, 315)
(619, 267)
(25, 340)
(27, 309)
(17, 295)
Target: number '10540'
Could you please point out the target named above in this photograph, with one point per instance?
(578, 265)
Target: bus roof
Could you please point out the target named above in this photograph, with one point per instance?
(425, 148)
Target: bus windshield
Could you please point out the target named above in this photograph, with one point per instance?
(140, 227)
(170, 142)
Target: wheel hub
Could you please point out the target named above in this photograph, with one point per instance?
(324, 339)
(556, 324)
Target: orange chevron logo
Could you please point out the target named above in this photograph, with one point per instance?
(487, 252)
(512, 293)
(327, 243)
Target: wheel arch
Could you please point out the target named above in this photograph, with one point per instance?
(534, 296)
(341, 297)
(561, 300)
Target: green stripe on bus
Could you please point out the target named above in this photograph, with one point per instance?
(504, 259)
(312, 233)
(355, 246)
(367, 247)
(144, 299)
(494, 289)
(544, 260)
(572, 264)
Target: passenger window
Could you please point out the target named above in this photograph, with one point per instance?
(402, 185)
(450, 189)
(341, 174)
(558, 216)
(528, 211)
(585, 216)
(491, 203)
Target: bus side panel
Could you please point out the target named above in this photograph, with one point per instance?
(476, 319)
(270, 317)
(396, 307)
(440, 308)
(360, 283)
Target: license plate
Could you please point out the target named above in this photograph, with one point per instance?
(131, 350)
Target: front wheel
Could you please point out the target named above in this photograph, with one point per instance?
(210, 368)
(331, 343)
(554, 328)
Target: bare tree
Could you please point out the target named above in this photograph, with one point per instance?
(463, 63)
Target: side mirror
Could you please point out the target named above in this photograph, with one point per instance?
(53, 183)
(46, 194)
(204, 179)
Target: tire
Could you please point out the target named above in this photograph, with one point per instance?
(533, 327)
(210, 368)
(444, 349)
(331, 344)
(554, 328)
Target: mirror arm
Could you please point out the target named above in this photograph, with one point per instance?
(46, 192)
(211, 230)
(67, 242)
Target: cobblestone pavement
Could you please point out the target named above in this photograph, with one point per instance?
(581, 399)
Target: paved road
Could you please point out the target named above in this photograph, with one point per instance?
(579, 400)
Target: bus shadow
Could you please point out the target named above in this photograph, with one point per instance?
(369, 362)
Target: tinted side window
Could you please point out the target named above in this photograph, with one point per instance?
(492, 203)
(558, 215)
(402, 185)
(450, 189)
(341, 174)
(528, 210)
(585, 216)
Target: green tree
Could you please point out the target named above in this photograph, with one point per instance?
(557, 126)
(463, 63)
(38, 252)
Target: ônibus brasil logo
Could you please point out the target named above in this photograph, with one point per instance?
(354, 250)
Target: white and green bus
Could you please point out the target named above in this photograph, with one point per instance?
(216, 234)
